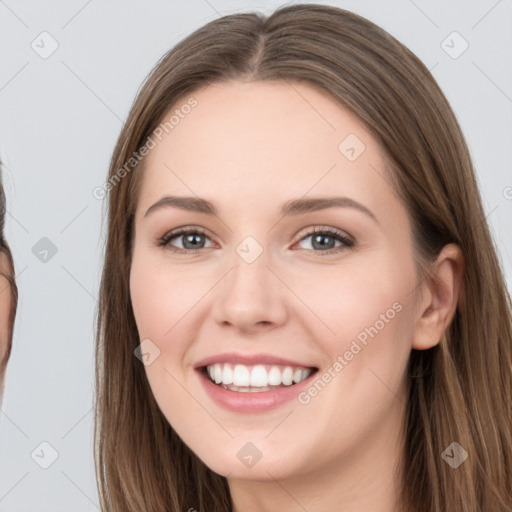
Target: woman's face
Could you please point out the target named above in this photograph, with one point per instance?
(268, 293)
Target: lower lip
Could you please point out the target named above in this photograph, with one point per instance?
(257, 402)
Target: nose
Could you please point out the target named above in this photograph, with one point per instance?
(251, 296)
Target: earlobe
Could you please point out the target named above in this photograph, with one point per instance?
(441, 294)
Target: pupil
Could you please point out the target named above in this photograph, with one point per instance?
(190, 238)
(317, 238)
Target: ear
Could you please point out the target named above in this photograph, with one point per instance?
(439, 298)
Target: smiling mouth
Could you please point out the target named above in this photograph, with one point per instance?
(256, 378)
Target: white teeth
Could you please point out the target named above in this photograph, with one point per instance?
(217, 368)
(241, 375)
(255, 378)
(274, 376)
(246, 389)
(259, 376)
(288, 376)
(227, 375)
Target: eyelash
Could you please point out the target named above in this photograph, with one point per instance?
(334, 233)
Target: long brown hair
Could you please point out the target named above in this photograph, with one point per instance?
(459, 391)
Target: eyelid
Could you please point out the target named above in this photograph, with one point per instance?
(182, 230)
(316, 228)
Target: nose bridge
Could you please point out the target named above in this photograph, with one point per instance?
(251, 294)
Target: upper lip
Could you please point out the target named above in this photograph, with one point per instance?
(248, 360)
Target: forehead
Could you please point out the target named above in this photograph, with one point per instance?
(263, 140)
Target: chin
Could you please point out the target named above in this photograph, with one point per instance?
(246, 461)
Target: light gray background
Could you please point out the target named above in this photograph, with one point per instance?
(59, 122)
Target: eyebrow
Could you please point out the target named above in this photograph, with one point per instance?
(290, 208)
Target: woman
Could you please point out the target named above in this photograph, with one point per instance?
(243, 363)
(8, 295)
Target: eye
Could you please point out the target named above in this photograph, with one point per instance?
(192, 240)
(324, 239)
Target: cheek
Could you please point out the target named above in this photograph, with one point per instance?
(360, 316)
(349, 298)
(158, 305)
(165, 299)
(160, 296)
(150, 300)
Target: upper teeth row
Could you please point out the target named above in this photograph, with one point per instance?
(258, 375)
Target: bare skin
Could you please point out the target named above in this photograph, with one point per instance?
(249, 148)
(5, 309)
